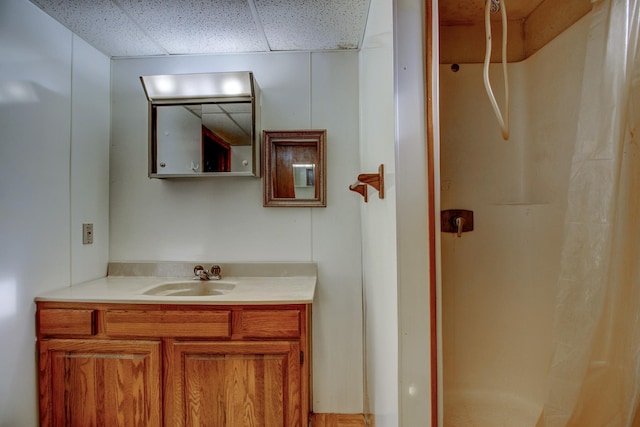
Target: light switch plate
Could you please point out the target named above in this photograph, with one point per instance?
(87, 234)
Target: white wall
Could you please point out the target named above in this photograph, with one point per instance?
(90, 132)
(54, 116)
(222, 219)
(377, 133)
(395, 230)
(50, 186)
(412, 213)
(499, 280)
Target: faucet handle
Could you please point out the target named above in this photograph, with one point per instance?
(459, 223)
(456, 221)
(200, 273)
(215, 272)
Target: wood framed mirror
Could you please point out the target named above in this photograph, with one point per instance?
(294, 168)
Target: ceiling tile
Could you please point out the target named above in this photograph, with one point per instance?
(122, 28)
(197, 26)
(313, 24)
(103, 25)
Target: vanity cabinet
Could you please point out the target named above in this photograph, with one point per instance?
(99, 383)
(249, 384)
(173, 365)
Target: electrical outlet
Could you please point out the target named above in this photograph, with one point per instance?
(87, 234)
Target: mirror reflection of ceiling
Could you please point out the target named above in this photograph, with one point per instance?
(231, 122)
(125, 28)
(531, 25)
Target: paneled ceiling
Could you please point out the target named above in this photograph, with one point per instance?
(129, 28)
(124, 28)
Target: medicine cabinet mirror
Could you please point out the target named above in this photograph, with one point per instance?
(203, 124)
(294, 168)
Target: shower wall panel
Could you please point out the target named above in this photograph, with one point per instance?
(499, 281)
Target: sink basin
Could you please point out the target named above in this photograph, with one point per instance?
(190, 288)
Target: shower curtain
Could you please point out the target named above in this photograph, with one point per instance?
(595, 369)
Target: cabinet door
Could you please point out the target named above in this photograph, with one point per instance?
(233, 384)
(100, 383)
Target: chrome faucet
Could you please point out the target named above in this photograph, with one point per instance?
(202, 274)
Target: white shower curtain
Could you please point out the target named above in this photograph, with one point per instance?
(595, 371)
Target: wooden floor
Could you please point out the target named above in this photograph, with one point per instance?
(340, 420)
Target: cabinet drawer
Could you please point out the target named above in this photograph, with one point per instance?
(267, 324)
(168, 323)
(66, 322)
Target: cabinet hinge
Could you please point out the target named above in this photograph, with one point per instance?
(302, 357)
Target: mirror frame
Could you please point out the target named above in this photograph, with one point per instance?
(271, 141)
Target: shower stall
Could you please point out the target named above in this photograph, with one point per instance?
(540, 303)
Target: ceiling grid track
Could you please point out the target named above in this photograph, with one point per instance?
(142, 30)
(258, 22)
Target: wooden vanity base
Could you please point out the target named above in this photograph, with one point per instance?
(174, 365)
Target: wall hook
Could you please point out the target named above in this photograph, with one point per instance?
(359, 188)
(376, 180)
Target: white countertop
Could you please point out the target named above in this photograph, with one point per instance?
(299, 289)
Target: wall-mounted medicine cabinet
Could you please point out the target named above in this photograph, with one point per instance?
(205, 124)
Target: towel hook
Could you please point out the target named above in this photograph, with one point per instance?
(376, 180)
